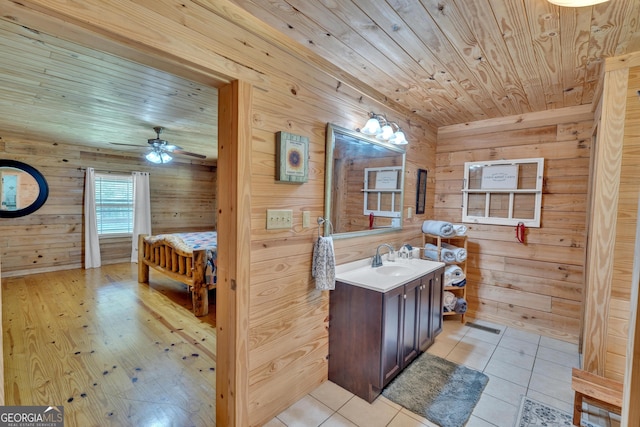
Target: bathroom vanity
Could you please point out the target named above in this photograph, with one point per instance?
(380, 319)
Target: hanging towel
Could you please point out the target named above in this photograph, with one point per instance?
(453, 274)
(323, 267)
(438, 228)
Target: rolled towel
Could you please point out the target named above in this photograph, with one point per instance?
(453, 273)
(447, 255)
(460, 229)
(438, 228)
(460, 306)
(431, 252)
(460, 284)
(449, 301)
(458, 254)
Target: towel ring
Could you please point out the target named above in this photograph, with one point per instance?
(321, 222)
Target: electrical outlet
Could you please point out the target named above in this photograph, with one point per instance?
(279, 218)
(306, 219)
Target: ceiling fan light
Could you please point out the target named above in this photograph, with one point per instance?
(576, 3)
(372, 127)
(153, 157)
(165, 158)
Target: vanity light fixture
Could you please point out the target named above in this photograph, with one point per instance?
(158, 156)
(576, 3)
(383, 129)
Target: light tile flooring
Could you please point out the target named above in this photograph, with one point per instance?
(518, 363)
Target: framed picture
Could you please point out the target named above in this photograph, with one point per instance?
(421, 194)
(292, 158)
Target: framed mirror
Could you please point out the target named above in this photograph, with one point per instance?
(24, 190)
(364, 184)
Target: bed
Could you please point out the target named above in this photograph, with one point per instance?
(189, 258)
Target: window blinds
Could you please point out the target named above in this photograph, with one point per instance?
(114, 204)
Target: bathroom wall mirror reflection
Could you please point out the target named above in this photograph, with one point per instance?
(364, 184)
(23, 191)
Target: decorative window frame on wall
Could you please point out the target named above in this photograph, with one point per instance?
(503, 192)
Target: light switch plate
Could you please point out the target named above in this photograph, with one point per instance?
(279, 219)
(306, 219)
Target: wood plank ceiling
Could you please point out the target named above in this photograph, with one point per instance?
(58, 91)
(456, 61)
(449, 61)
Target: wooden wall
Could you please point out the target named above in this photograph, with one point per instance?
(52, 238)
(537, 286)
(293, 91)
(624, 254)
(288, 318)
(615, 214)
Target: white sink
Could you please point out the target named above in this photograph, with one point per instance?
(386, 277)
(394, 270)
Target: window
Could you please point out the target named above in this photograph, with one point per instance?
(114, 204)
(504, 192)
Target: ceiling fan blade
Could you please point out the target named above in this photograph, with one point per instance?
(127, 145)
(187, 153)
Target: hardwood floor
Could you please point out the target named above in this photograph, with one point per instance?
(110, 350)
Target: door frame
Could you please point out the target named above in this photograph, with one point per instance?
(234, 228)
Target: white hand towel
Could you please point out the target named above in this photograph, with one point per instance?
(323, 266)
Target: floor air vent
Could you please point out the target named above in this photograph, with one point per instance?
(484, 328)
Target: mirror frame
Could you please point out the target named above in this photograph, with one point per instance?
(42, 185)
(330, 145)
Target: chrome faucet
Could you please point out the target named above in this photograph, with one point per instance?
(377, 259)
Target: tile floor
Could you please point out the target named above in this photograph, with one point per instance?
(518, 363)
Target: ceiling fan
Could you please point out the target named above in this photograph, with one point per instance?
(161, 148)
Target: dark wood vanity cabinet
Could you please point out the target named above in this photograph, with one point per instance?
(374, 335)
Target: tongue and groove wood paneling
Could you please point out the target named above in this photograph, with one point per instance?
(536, 286)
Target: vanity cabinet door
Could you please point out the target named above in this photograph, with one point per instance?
(425, 335)
(392, 324)
(437, 295)
(411, 321)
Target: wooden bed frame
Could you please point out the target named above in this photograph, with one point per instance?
(186, 267)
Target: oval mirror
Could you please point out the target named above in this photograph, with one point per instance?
(24, 190)
(364, 184)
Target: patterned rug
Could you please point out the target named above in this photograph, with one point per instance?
(537, 414)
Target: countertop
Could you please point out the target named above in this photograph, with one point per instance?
(360, 273)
